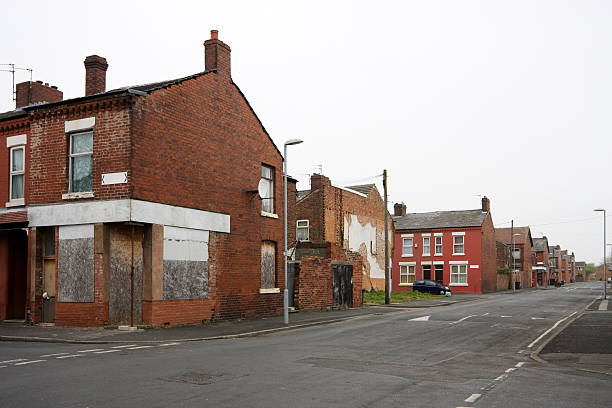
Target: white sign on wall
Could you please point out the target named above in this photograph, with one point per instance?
(474, 266)
(114, 178)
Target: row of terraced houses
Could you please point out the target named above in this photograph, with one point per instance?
(161, 204)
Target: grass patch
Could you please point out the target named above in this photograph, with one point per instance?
(378, 296)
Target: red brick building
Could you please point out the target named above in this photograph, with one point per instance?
(580, 271)
(456, 248)
(540, 268)
(523, 256)
(351, 218)
(141, 203)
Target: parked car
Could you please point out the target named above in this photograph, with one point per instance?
(429, 286)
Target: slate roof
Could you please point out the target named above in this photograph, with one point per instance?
(12, 114)
(363, 188)
(439, 219)
(300, 195)
(505, 235)
(162, 84)
(540, 244)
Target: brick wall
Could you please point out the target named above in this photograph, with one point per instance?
(12, 127)
(315, 284)
(27, 93)
(489, 256)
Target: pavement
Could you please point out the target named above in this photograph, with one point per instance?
(19, 331)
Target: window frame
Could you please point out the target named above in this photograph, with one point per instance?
(461, 270)
(409, 266)
(298, 227)
(455, 237)
(436, 253)
(272, 189)
(13, 173)
(404, 239)
(274, 286)
(428, 246)
(72, 155)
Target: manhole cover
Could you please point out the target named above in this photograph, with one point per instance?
(197, 378)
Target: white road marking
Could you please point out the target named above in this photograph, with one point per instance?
(519, 365)
(472, 398)
(124, 346)
(106, 351)
(89, 351)
(30, 362)
(2, 366)
(549, 330)
(603, 305)
(504, 316)
(70, 356)
(460, 320)
(53, 355)
(511, 369)
(485, 314)
(13, 361)
(501, 377)
(420, 319)
(521, 352)
(168, 344)
(538, 318)
(138, 348)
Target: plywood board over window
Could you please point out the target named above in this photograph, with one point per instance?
(268, 264)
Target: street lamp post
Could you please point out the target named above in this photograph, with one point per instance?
(605, 267)
(289, 142)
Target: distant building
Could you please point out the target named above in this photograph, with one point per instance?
(540, 267)
(522, 255)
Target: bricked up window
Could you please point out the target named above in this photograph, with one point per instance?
(81, 150)
(267, 201)
(302, 233)
(268, 265)
(17, 172)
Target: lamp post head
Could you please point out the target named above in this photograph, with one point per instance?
(599, 209)
(291, 142)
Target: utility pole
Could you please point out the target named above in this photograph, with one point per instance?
(387, 274)
(512, 256)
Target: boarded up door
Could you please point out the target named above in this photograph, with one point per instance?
(120, 293)
(293, 270)
(49, 262)
(268, 265)
(343, 285)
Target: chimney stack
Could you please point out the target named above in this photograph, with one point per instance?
(486, 204)
(317, 181)
(399, 209)
(217, 55)
(95, 74)
(28, 93)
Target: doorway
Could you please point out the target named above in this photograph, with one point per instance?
(49, 275)
(439, 273)
(13, 274)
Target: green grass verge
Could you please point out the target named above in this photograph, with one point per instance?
(378, 296)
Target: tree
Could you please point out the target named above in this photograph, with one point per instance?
(589, 269)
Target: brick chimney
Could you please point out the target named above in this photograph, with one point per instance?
(217, 55)
(486, 204)
(317, 181)
(95, 74)
(28, 93)
(399, 209)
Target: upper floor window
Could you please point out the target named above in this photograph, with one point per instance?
(458, 245)
(17, 172)
(517, 253)
(438, 244)
(303, 230)
(426, 245)
(407, 244)
(81, 151)
(267, 201)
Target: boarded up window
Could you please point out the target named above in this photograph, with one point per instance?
(268, 264)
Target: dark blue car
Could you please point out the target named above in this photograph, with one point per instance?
(429, 286)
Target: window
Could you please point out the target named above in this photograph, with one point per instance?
(438, 245)
(302, 233)
(426, 271)
(426, 246)
(17, 174)
(267, 201)
(458, 274)
(458, 247)
(81, 151)
(517, 253)
(268, 265)
(407, 246)
(407, 275)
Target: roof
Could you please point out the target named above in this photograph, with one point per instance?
(505, 235)
(363, 188)
(540, 244)
(12, 114)
(580, 264)
(148, 88)
(300, 195)
(440, 219)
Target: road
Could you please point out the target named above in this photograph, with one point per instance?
(473, 354)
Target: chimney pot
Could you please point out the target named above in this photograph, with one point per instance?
(486, 204)
(214, 34)
(399, 209)
(217, 55)
(39, 82)
(95, 74)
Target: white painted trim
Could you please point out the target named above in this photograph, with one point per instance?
(459, 254)
(425, 262)
(438, 254)
(406, 284)
(458, 284)
(18, 140)
(438, 234)
(185, 234)
(407, 235)
(438, 263)
(76, 231)
(20, 202)
(407, 263)
(79, 124)
(78, 195)
(457, 262)
(270, 290)
(458, 234)
(91, 212)
(269, 215)
(426, 234)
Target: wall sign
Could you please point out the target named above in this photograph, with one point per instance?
(114, 178)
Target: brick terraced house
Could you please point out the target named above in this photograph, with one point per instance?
(540, 268)
(140, 203)
(456, 248)
(522, 256)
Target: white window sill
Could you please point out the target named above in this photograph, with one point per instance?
(406, 284)
(438, 255)
(459, 254)
(427, 254)
(458, 284)
(407, 256)
(269, 215)
(270, 290)
(15, 203)
(78, 195)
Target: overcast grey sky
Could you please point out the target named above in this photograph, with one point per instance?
(509, 99)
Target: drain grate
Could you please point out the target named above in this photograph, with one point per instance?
(197, 378)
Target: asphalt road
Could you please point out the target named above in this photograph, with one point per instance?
(473, 354)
